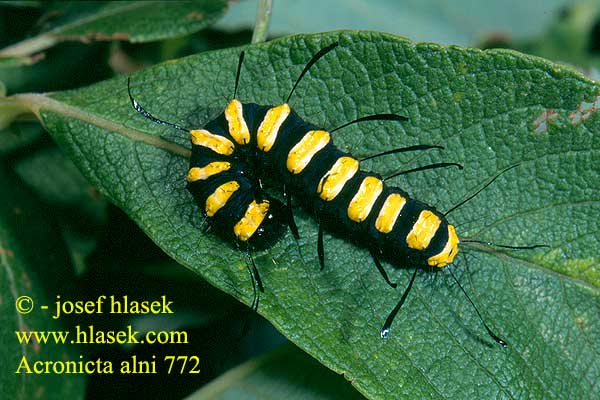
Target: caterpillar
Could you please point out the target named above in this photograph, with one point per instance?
(248, 143)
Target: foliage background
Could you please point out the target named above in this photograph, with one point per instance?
(60, 222)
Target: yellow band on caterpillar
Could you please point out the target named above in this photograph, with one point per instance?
(254, 216)
(363, 201)
(216, 143)
(270, 125)
(203, 173)
(219, 198)
(450, 250)
(301, 154)
(332, 183)
(237, 125)
(423, 230)
(389, 213)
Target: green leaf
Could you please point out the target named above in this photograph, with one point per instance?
(133, 21)
(489, 109)
(285, 373)
(19, 137)
(67, 66)
(78, 207)
(33, 263)
(67, 190)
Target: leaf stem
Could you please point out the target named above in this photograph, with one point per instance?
(13, 107)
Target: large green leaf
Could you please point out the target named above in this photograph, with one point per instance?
(78, 207)
(489, 109)
(134, 21)
(34, 263)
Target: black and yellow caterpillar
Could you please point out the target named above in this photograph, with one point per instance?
(344, 198)
(248, 143)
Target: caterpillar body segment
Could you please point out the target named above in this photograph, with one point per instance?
(234, 208)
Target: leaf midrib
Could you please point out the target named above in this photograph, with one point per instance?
(507, 258)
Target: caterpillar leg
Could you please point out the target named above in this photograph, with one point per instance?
(259, 283)
(496, 338)
(385, 330)
(290, 214)
(255, 297)
(381, 269)
(255, 279)
(291, 223)
(255, 294)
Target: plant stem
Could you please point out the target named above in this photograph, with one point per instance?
(29, 46)
(263, 16)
